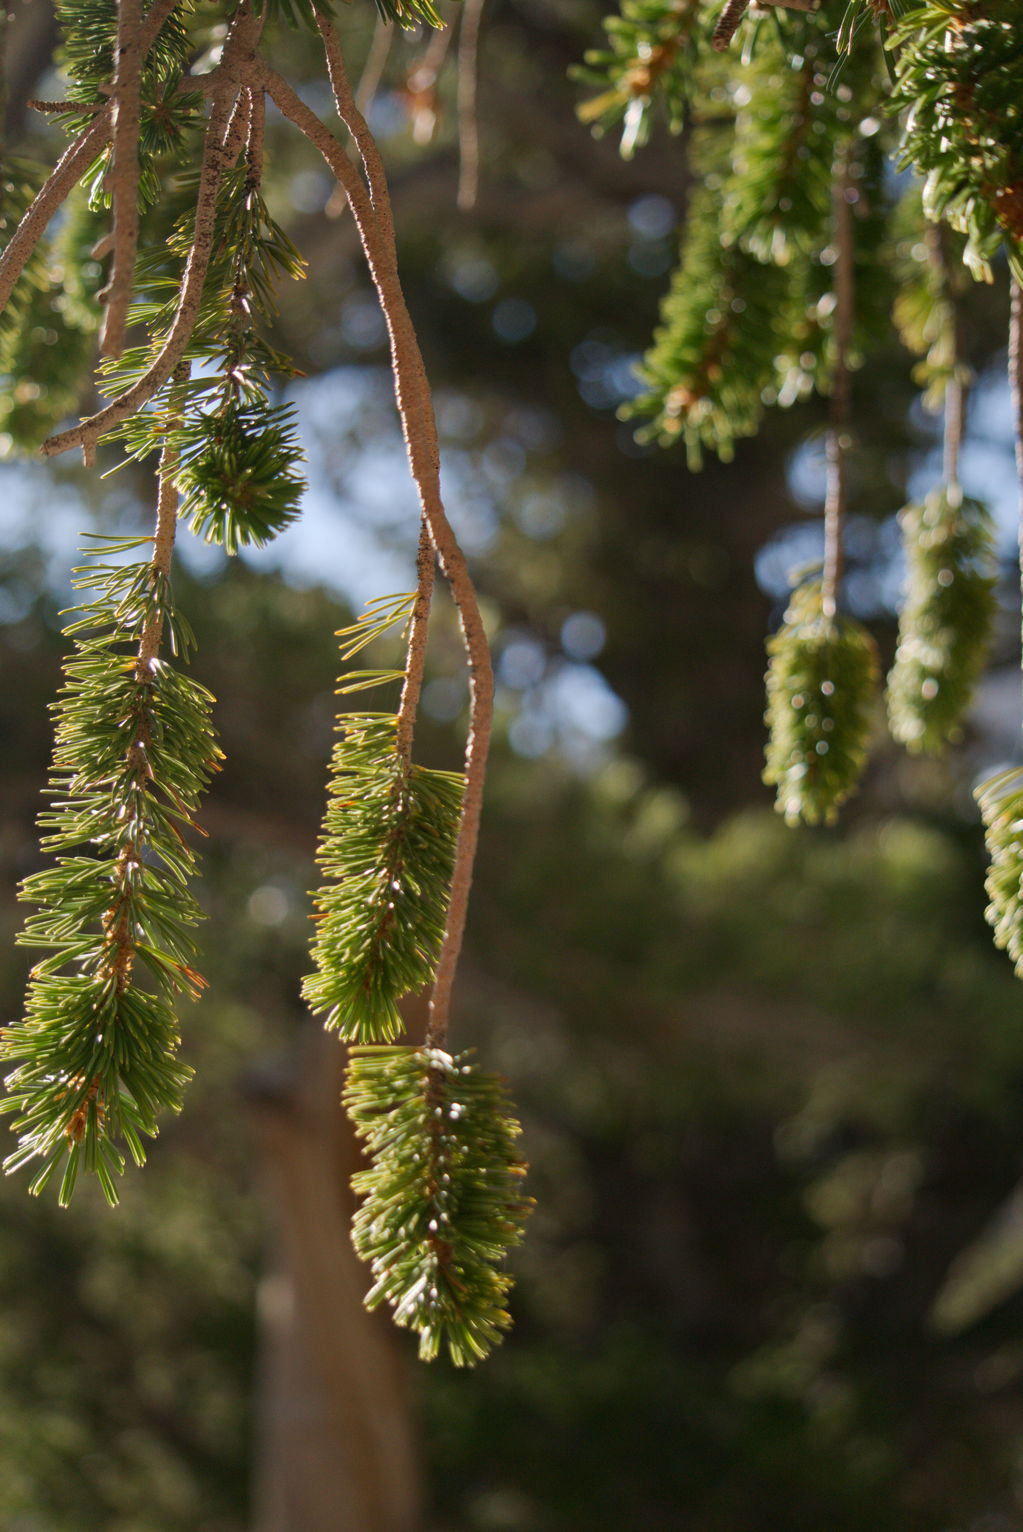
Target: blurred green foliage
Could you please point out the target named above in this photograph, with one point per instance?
(770, 1083)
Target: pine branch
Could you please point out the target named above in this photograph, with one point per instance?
(96, 1053)
(124, 176)
(836, 495)
(468, 106)
(443, 1200)
(371, 211)
(236, 64)
(653, 45)
(821, 683)
(388, 852)
(946, 623)
(960, 81)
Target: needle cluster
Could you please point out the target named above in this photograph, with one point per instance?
(821, 689)
(1001, 806)
(387, 853)
(95, 1055)
(443, 1201)
(947, 618)
(175, 259)
(960, 81)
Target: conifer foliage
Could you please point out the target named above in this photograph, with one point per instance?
(443, 1194)
(800, 251)
(96, 1055)
(166, 260)
(821, 685)
(946, 622)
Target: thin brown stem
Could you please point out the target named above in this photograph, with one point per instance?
(468, 105)
(152, 23)
(844, 196)
(120, 941)
(166, 527)
(67, 108)
(1016, 391)
(376, 231)
(124, 177)
(70, 168)
(955, 416)
(257, 125)
(728, 24)
(953, 343)
(415, 649)
(239, 126)
(88, 431)
(420, 93)
(66, 174)
(237, 69)
(376, 63)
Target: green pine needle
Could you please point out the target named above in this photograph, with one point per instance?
(946, 624)
(821, 684)
(443, 1199)
(1001, 806)
(959, 83)
(96, 1053)
(238, 477)
(388, 854)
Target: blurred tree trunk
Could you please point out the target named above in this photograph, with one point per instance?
(336, 1445)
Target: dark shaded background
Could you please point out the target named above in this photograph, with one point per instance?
(770, 1080)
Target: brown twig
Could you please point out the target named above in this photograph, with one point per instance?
(88, 432)
(728, 24)
(239, 126)
(166, 526)
(66, 174)
(124, 177)
(254, 146)
(67, 108)
(376, 63)
(843, 198)
(1016, 391)
(371, 211)
(415, 650)
(420, 89)
(954, 339)
(120, 940)
(70, 168)
(468, 108)
(955, 398)
(236, 68)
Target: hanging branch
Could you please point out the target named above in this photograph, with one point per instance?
(1001, 797)
(951, 564)
(728, 24)
(420, 89)
(822, 672)
(468, 107)
(838, 434)
(415, 652)
(376, 231)
(955, 386)
(376, 63)
(64, 177)
(124, 176)
(72, 165)
(96, 1054)
(1016, 389)
(236, 64)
